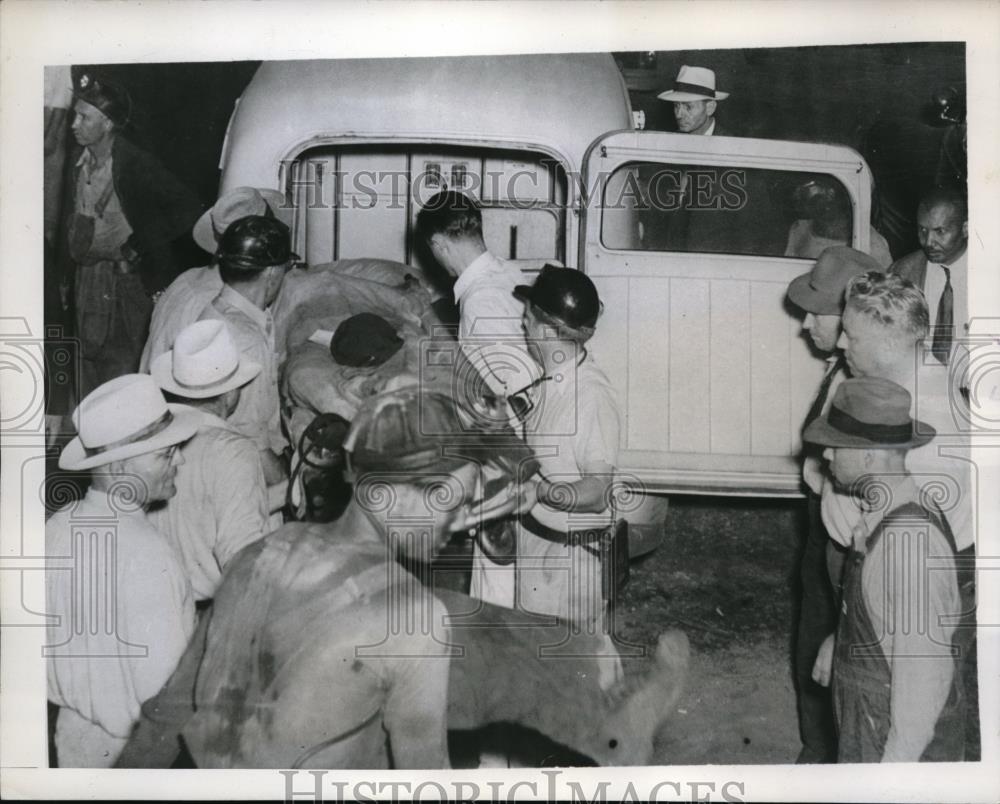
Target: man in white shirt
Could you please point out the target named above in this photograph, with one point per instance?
(104, 663)
(940, 268)
(490, 333)
(221, 503)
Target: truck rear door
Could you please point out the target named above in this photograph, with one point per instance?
(692, 242)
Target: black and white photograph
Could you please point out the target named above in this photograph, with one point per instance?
(459, 401)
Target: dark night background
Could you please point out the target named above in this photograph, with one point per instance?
(870, 97)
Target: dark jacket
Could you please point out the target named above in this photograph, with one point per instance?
(158, 207)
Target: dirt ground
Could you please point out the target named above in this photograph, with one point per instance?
(725, 574)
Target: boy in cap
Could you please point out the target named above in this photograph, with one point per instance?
(305, 660)
(820, 295)
(127, 211)
(897, 691)
(103, 663)
(221, 503)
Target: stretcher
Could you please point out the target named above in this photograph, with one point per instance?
(311, 306)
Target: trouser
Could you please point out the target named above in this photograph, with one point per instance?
(112, 322)
(817, 620)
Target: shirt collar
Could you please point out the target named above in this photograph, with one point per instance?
(960, 263)
(477, 268)
(711, 129)
(211, 420)
(236, 299)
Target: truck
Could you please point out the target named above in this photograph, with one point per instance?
(713, 372)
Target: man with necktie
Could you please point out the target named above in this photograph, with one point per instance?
(820, 294)
(940, 268)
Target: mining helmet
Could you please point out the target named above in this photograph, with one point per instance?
(564, 294)
(411, 430)
(112, 100)
(254, 243)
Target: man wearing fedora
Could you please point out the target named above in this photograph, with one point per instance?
(254, 255)
(183, 301)
(893, 661)
(695, 100)
(104, 662)
(221, 503)
(127, 213)
(820, 295)
(885, 324)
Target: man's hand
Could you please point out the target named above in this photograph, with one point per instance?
(274, 467)
(823, 668)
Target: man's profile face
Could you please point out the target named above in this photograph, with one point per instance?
(823, 329)
(154, 473)
(90, 125)
(846, 465)
(442, 506)
(693, 117)
(942, 233)
(864, 343)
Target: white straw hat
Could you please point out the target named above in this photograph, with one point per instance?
(125, 417)
(203, 363)
(239, 202)
(693, 84)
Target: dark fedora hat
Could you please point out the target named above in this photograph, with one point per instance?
(821, 291)
(869, 413)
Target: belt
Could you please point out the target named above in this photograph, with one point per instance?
(583, 537)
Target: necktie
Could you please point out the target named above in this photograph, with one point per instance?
(941, 343)
(824, 391)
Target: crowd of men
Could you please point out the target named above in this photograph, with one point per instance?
(263, 641)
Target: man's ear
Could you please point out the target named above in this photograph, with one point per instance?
(710, 107)
(965, 230)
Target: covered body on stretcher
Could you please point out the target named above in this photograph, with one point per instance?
(315, 302)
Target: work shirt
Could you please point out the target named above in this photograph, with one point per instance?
(947, 477)
(103, 666)
(257, 415)
(220, 505)
(490, 332)
(180, 306)
(575, 424)
(96, 198)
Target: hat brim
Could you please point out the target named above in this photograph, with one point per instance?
(674, 96)
(162, 370)
(805, 297)
(822, 433)
(184, 425)
(204, 234)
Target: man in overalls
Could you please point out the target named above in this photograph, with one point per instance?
(897, 685)
(126, 211)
